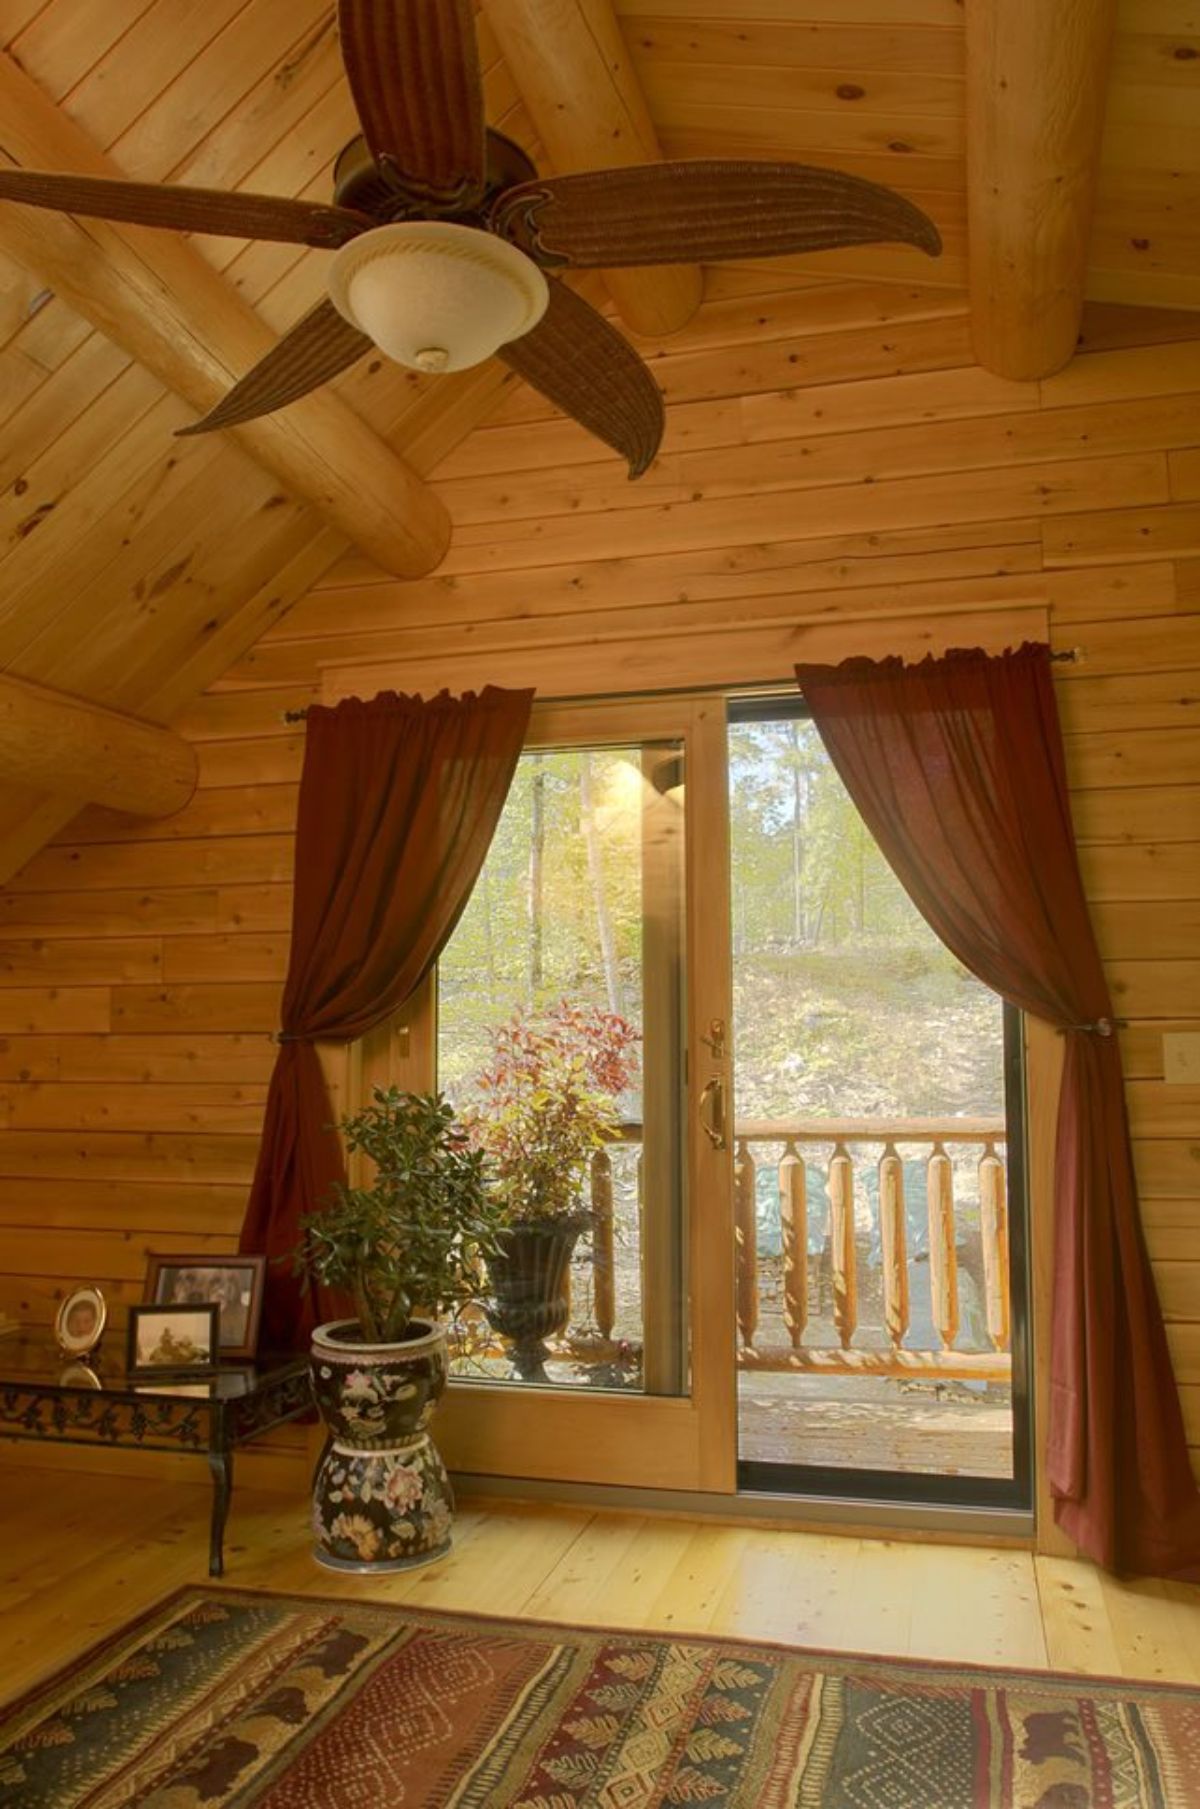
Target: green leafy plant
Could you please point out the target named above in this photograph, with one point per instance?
(547, 1102)
(413, 1237)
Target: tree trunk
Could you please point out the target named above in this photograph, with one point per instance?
(797, 841)
(537, 856)
(489, 944)
(860, 895)
(595, 860)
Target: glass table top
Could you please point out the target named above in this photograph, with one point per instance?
(30, 1358)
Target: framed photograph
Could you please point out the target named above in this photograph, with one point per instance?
(80, 1321)
(233, 1284)
(163, 1338)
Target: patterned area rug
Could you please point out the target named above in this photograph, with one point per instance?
(222, 1697)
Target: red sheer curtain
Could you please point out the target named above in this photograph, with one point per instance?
(399, 799)
(956, 765)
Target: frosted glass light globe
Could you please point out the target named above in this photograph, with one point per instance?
(437, 296)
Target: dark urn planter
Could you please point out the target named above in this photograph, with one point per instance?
(531, 1298)
(381, 1497)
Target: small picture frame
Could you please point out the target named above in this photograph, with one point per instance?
(200, 1391)
(80, 1321)
(233, 1284)
(172, 1339)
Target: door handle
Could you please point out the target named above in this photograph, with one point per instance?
(712, 1112)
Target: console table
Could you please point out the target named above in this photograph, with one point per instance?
(62, 1400)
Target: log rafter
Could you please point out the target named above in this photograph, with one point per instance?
(158, 299)
(1037, 77)
(574, 74)
(75, 749)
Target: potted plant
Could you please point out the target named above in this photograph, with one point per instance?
(404, 1248)
(546, 1102)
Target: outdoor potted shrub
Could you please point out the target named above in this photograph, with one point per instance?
(411, 1241)
(547, 1101)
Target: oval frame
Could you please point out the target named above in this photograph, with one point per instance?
(77, 1345)
(79, 1375)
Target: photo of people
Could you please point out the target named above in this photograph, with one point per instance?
(82, 1317)
(80, 1321)
(232, 1284)
(172, 1337)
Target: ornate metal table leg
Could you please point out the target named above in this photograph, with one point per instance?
(220, 1463)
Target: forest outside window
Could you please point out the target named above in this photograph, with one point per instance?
(560, 1012)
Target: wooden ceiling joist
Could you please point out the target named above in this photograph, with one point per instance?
(74, 749)
(158, 298)
(1037, 77)
(574, 74)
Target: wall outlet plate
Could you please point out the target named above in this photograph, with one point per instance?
(1181, 1057)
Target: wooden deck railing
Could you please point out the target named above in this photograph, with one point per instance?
(930, 1139)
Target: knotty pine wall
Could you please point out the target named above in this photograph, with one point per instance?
(832, 455)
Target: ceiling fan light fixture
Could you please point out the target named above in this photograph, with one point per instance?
(437, 296)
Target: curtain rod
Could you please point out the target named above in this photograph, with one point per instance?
(1071, 654)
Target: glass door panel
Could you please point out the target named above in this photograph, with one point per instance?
(878, 1164)
(603, 903)
(559, 994)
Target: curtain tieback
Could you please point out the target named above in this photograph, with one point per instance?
(289, 1036)
(1101, 1027)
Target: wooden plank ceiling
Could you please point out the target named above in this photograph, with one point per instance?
(135, 568)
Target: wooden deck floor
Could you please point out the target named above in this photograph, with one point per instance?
(925, 1429)
(81, 1556)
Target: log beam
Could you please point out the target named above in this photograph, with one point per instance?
(573, 72)
(158, 299)
(1037, 75)
(71, 748)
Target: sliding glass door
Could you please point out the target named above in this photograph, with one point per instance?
(796, 1257)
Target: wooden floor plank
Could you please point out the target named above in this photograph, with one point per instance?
(1074, 1613)
(978, 1607)
(580, 1586)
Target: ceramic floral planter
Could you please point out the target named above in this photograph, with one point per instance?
(530, 1277)
(381, 1497)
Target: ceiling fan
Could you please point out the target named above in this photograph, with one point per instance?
(444, 232)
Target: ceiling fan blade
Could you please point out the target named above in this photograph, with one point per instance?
(581, 363)
(413, 67)
(320, 345)
(702, 211)
(187, 209)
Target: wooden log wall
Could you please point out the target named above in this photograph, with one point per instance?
(832, 454)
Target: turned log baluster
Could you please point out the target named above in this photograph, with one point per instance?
(993, 1220)
(793, 1225)
(604, 1298)
(841, 1243)
(943, 1254)
(746, 1232)
(894, 1245)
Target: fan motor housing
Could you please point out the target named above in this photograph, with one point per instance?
(361, 183)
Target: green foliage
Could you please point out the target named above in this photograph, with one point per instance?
(845, 1002)
(548, 1102)
(557, 911)
(414, 1237)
